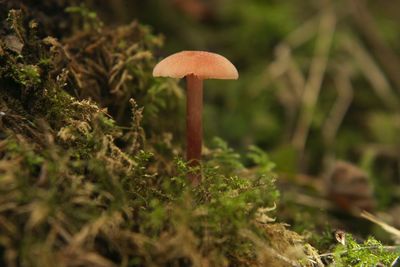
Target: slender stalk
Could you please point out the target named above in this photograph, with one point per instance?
(194, 125)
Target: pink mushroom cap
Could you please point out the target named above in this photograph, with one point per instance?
(204, 65)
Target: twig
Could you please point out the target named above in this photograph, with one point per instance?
(338, 111)
(385, 55)
(296, 78)
(285, 65)
(388, 228)
(288, 78)
(310, 201)
(303, 33)
(314, 82)
(371, 71)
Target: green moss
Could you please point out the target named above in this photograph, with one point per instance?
(27, 75)
(100, 182)
(370, 253)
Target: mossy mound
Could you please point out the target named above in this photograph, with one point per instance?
(90, 167)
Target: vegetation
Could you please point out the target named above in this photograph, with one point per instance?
(91, 167)
(370, 253)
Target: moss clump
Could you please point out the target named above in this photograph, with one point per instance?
(369, 253)
(90, 173)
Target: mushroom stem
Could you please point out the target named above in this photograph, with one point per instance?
(194, 127)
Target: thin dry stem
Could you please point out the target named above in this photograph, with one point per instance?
(338, 111)
(385, 55)
(371, 71)
(313, 84)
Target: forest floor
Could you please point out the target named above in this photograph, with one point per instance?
(91, 167)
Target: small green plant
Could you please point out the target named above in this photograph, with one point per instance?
(89, 17)
(369, 253)
(28, 75)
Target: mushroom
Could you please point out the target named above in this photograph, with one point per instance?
(195, 66)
